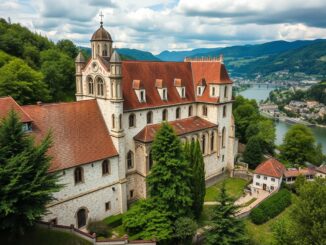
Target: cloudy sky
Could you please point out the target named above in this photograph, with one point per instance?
(157, 25)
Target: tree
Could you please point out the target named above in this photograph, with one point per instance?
(59, 73)
(299, 146)
(225, 228)
(25, 184)
(148, 221)
(253, 153)
(23, 83)
(184, 230)
(197, 184)
(307, 221)
(168, 182)
(68, 47)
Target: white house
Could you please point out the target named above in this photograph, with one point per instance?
(268, 175)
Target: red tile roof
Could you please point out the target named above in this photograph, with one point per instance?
(321, 169)
(79, 133)
(7, 104)
(271, 167)
(296, 172)
(150, 76)
(181, 127)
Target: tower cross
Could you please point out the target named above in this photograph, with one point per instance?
(101, 15)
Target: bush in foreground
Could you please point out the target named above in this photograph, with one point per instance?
(98, 227)
(271, 207)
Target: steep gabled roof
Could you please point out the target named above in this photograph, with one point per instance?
(271, 167)
(181, 127)
(79, 132)
(147, 73)
(7, 104)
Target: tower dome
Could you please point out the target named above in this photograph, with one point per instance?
(101, 35)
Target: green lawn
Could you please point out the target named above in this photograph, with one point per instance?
(234, 187)
(40, 236)
(262, 234)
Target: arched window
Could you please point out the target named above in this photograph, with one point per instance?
(224, 111)
(177, 113)
(105, 50)
(190, 111)
(98, 50)
(81, 217)
(149, 117)
(223, 137)
(205, 110)
(79, 175)
(130, 159)
(203, 142)
(106, 167)
(120, 121)
(225, 91)
(165, 115)
(100, 86)
(113, 121)
(132, 120)
(90, 86)
(212, 141)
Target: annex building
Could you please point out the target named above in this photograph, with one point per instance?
(102, 142)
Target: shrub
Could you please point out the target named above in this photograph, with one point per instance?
(98, 227)
(271, 207)
(114, 221)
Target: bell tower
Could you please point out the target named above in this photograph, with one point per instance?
(101, 42)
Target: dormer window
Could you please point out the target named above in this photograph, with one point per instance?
(137, 85)
(142, 96)
(164, 94)
(161, 88)
(27, 127)
(180, 87)
(183, 92)
(213, 90)
(201, 87)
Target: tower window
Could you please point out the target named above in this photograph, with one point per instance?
(132, 119)
(225, 91)
(149, 117)
(224, 111)
(100, 87)
(212, 142)
(190, 111)
(203, 143)
(90, 86)
(120, 121)
(113, 121)
(165, 115)
(105, 51)
(130, 159)
(204, 110)
(223, 137)
(177, 113)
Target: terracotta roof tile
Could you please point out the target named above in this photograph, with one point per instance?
(181, 127)
(297, 172)
(7, 104)
(147, 73)
(79, 133)
(321, 169)
(271, 167)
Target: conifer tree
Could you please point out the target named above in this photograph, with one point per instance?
(25, 185)
(225, 228)
(168, 182)
(198, 188)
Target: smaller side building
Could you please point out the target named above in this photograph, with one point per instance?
(321, 171)
(268, 176)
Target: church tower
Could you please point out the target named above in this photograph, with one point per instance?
(79, 64)
(101, 43)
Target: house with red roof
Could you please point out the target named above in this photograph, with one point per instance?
(102, 142)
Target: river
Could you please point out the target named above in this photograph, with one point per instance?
(261, 93)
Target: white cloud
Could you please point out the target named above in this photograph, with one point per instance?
(170, 24)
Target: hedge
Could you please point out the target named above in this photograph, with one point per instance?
(114, 220)
(271, 207)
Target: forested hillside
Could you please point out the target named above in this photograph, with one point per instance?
(33, 68)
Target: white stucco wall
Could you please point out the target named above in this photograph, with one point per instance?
(263, 179)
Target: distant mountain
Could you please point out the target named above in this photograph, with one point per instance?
(127, 54)
(180, 55)
(309, 59)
